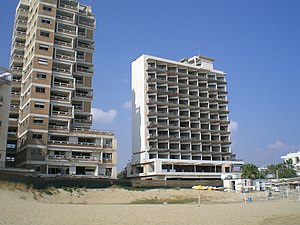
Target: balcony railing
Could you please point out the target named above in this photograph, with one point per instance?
(84, 45)
(62, 5)
(63, 43)
(83, 95)
(91, 24)
(73, 157)
(70, 19)
(67, 57)
(62, 113)
(107, 146)
(82, 69)
(82, 121)
(66, 31)
(61, 70)
(59, 98)
(62, 84)
(56, 127)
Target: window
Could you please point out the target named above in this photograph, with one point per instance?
(47, 8)
(39, 105)
(11, 146)
(46, 21)
(37, 136)
(107, 156)
(38, 120)
(40, 90)
(36, 151)
(41, 76)
(44, 33)
(43, 61)
(44, 47)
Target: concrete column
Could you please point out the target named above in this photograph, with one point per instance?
(96, 170)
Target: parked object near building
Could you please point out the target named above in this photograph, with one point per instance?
(50, 116)
(180, 120)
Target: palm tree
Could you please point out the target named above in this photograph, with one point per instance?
(250, 171)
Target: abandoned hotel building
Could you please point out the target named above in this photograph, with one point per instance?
(50, 111)
(180, 126)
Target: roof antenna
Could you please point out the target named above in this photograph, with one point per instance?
(198, 50)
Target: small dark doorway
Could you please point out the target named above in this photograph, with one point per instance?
(80, 170)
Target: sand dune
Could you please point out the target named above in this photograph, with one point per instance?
(112, 206)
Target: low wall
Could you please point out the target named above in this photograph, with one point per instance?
(29, 178)
(174, 183)
(37, 182)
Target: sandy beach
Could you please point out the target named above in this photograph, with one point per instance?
(115, 206)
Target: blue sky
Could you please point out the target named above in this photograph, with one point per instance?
(255, 42)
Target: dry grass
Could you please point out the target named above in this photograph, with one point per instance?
(14, 186)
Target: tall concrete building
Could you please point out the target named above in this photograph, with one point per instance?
(51, 60)
(180, 120)
(5, 89)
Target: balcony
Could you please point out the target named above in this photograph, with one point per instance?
(85, 10)
(60, 68)
(61, 54)
(71, 158)
(85, 44)
(57, 128)
(62, 111)
(65, 16)
(20, 34)
(79, 80)
(82, 68)
(83, 119)
(23, 12)
(21, 23)
(80, 56)
(61, 82)
(63, 41)
(68, 5)
(86, 22)
(66, 29)
(17, 58)
(13, 108)
(19, 46)
(84, 93)
(15, 94)
(78, 105)
(60, 96)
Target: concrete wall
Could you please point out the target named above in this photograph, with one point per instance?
(5, 90)
(138, 110)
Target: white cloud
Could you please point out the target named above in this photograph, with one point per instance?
(100, 116)
(127, 105)
(277, 145)
(233, 126)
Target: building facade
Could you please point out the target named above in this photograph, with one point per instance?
(51, 59)
(180, 126)
(5, 89)
(295, 157)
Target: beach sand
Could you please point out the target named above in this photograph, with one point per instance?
(112, 206)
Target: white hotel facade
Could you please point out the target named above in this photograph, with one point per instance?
(180, 126)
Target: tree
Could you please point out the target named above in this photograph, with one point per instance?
(250, 171)
(123, 174)
(285, 169)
